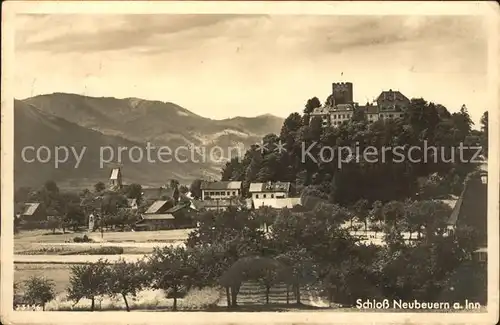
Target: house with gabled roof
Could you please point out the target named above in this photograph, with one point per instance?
(269, 190)
(157, 221)
(159, 206)
(221, 190)
(471, 210)
(32, 211)
(277, 203)
(157, 217)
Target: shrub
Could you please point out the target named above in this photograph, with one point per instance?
(84, 239)
(105, 251)
(201, 298)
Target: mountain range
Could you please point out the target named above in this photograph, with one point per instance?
(71, 120)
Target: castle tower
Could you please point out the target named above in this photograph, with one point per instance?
(342, 92)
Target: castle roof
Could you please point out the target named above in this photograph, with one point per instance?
(392, 95)
(370, 109)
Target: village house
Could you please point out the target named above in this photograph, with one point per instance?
(159, 206)
(269, 190)
(32, 212)
(221, 204)
(472, 209)
(222, 190)
(155, 222)
(163, 214)
(156, 216)
(277, 203)
(31, 215)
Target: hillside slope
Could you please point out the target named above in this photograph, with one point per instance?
(33, 127)
(153, 121)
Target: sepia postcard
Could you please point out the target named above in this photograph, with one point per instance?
(262, 162)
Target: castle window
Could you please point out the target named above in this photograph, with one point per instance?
(256, 196)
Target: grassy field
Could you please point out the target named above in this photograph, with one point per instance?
(32, 240)
(59, 273)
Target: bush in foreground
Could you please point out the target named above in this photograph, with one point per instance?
(39, 290)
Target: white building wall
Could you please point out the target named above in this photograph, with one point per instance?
(219, 194)
(269, 195)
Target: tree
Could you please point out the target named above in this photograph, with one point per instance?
(124, 217)
(39, 290)
(22, 194)
(71, 211)
(361, 209)
(183, 189)
(171, 271)
(311, 105)
(269, 273)
(134, 191)
(265, 216)
(173, 184)
(195, 189)
(126, 278)
(484, 130)
(299, 267)
(89, 281)
(376, 216)
(429, 215)
(99, 187)
(53, 223)
(266, 270)
(112, 202)
(51, 186)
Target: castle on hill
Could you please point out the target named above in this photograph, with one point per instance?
(340, 106)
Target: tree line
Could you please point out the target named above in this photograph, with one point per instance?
(304, 250)
(423, 122)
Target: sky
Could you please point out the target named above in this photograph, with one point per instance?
(221, 66)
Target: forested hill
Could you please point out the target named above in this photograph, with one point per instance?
(308, 163)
